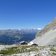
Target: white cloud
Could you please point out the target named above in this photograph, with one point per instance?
(39, 28)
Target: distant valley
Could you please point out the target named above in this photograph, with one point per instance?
(15, 36)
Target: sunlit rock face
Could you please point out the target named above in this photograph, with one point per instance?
(47, 36)
(47, 39)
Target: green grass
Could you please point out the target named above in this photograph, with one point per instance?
(53, 51)
(25, 48)
(18, 49)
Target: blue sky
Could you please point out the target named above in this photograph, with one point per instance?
(26, 14)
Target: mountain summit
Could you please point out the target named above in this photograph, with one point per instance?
(47, 36)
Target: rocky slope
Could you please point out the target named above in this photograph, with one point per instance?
(47, 36)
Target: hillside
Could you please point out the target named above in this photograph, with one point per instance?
(48, 27)
(47, 36)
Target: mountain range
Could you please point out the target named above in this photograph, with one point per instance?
(14, 36)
